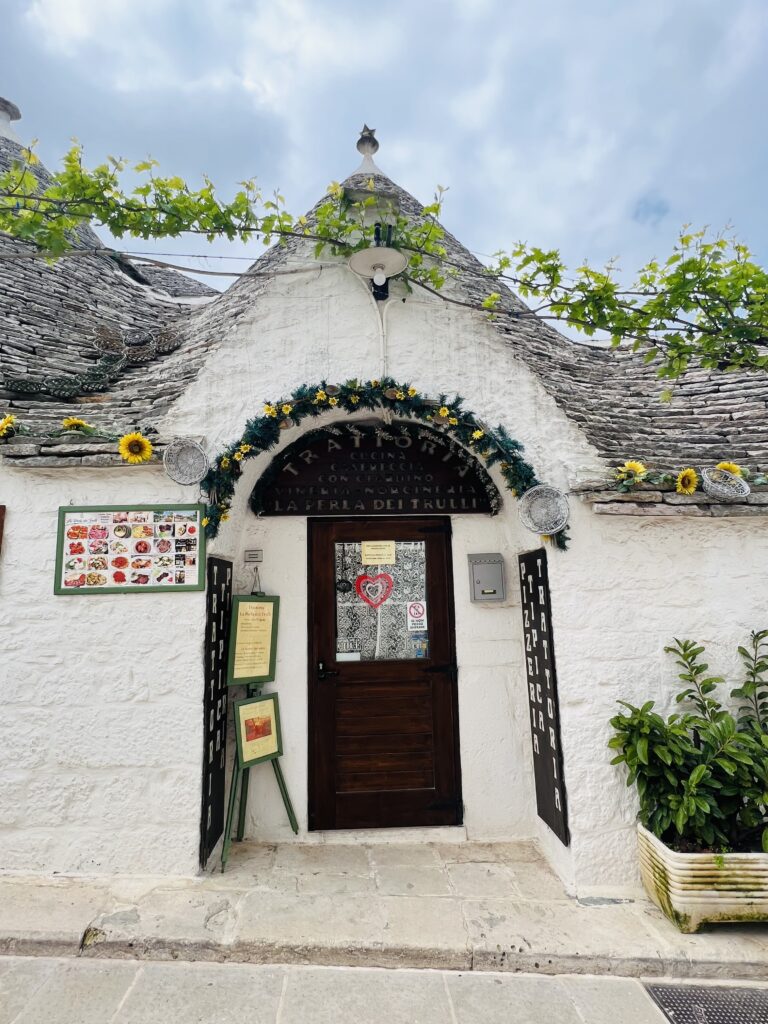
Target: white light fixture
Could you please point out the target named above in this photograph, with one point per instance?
(378, 264)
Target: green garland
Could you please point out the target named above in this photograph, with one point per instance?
(494, 446)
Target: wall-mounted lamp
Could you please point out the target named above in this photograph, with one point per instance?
(379, 262)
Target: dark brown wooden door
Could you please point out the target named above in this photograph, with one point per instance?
(383, 725)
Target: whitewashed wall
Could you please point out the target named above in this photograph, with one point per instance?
(102, 695)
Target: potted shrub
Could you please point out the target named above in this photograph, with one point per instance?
(702, 778)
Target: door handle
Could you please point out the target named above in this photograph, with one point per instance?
(322, 672)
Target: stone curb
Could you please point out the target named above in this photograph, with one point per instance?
(375, 955)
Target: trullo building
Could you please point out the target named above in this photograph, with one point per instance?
(419, 692)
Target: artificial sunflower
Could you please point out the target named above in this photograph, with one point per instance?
(453, 420)
(374, 383)
(7, 424)
(477, 434)
(333, 400)
(245, 448)
(444, 411)
(320, 396)
(135, 448)
(237, 456)
(270, 410)
(224, 463)
(400, 394)
(75, 423)
(687, 481)
(632, 468)
(412, 392)
(730, 467)
(204, 521)
(286, 409)
(354, 399)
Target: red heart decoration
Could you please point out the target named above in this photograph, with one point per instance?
(374, 590)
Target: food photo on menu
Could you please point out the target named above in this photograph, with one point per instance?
(129, 549)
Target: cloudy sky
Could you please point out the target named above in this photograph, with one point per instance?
(599, 127)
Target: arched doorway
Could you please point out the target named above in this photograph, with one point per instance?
(382, 679)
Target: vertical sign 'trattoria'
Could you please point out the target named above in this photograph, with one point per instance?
(542, 693)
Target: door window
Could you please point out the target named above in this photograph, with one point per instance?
(381, 607)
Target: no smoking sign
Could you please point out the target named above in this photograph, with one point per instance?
(417, 616)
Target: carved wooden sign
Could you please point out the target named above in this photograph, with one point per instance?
(355, 469)
(542, 693)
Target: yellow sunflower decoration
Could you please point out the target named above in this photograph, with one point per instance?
(135, 448)
(7, 424)
(730, 467)
(75, 423)
(687, 481)
(632, 468)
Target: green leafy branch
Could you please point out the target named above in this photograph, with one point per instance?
(706, 304)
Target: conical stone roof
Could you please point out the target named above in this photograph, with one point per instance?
(613, 397)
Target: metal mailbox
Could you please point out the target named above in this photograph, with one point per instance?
(486, 577)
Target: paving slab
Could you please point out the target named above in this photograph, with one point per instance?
(20, 979)
(317, 996)
(88, 992)
(607, 1000)
(486, 879)
(202, 994)
(407, 880)
(272, 927)
(559, 937)
(50, 913)
(424, 931)
(503, 1000)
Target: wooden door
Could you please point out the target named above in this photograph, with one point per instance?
(383, 724)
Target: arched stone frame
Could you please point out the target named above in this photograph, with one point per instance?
(493, 445)
(316, 474)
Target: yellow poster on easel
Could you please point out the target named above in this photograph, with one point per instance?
(253, 640)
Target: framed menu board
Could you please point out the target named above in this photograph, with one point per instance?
(122, 549)
(253, 639)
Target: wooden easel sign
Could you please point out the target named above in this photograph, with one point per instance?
(253, 640)
(257, 729)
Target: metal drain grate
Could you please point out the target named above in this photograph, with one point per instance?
(697, 1004)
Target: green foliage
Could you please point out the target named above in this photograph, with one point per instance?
(754, 690)
(706, 304)
(701, 775)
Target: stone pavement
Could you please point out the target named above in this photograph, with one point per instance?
(67, 991)
(464, 907)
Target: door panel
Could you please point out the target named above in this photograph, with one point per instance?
(383, 732)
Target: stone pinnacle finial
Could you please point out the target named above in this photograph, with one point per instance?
(8, 112)
(367, 144)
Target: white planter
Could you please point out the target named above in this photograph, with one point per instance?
(692, 889)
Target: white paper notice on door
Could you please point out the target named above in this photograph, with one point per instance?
(416, 613)
(377, 552)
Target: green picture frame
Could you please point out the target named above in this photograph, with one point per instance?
(194, 545)
(260, 745)
(251, 630)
